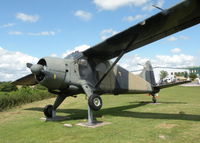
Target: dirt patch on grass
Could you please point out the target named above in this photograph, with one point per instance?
(162, 137)
(166, 126)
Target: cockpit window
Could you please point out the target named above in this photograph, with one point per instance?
(82, 62)
(75, 55)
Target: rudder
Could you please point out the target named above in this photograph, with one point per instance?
(148, 74)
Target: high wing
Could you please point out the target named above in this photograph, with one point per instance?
(165, 23)
(26, 80)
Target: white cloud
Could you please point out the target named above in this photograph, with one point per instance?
(176, 50)
(133, 63)
(160, 3)
(172, 39)
(106, 33)
(136, 62)
(43, 33)
(13, 64)
(183, 37)
(133, 18)
(175, 38)
(27, 18)
(78, 48)
(115, 4)
(53, 55)
(8, 25)
(83, 14)
(149, 6)
(15, 33)
(178, 60)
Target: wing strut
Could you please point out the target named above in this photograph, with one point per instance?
(116, 61)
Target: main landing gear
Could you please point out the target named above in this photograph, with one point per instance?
(95, 102)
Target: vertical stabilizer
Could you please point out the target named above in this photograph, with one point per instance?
(148, 74)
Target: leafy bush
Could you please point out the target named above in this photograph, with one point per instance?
(22, 96)
(40, 87)
(7, 87)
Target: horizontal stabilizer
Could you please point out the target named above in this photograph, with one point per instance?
(166, 85)
(26, 80)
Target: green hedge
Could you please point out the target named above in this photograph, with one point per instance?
(7, 87)
(22, 96)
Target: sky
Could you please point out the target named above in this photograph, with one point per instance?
(32, 29)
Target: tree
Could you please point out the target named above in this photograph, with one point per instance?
(192, 76)
(186, 75)
(163, 74)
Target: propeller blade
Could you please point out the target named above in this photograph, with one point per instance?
(26, 80)
(29, 65)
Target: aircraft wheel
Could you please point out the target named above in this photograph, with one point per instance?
(95, 102)
(48, 111)
(154, 99)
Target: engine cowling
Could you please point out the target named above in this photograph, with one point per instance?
(53, 74)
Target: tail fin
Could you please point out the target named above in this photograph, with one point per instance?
(148, 74)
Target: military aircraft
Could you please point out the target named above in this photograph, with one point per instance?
(92, 73)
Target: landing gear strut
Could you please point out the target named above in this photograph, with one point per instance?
(94, 103)
(50, 110)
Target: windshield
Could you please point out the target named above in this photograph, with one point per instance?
(74, 55)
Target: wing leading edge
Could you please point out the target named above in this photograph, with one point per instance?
(165, 23)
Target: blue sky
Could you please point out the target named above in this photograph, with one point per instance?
(38, 28)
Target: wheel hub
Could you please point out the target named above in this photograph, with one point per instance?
(97, 102)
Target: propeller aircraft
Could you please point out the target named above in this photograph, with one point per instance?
(90, 72)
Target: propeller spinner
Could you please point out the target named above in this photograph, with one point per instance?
(37, 70)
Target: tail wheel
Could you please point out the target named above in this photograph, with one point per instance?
(95, 102)
(154, 99)
(48, 111)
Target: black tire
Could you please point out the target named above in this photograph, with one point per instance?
(95, 102)
(154, 99)
(48, 111)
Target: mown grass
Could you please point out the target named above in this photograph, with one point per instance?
(133, 120)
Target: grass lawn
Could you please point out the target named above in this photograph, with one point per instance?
(133, 120)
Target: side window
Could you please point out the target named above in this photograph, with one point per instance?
(82, 62)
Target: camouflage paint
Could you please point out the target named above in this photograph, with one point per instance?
(119, 80)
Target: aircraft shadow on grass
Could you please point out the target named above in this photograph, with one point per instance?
(76, 114)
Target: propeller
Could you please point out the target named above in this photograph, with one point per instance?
(29, 65)
(38, 70)
(35, 69)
